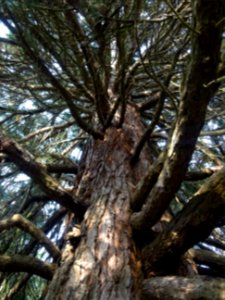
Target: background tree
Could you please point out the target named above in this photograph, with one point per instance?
(112, 120)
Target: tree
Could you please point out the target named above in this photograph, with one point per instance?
(114, 111)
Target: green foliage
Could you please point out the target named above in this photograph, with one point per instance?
(65, 66)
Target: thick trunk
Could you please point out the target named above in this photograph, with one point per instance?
(105, 265)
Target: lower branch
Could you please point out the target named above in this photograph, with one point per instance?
(193, 224)
(28, 264)
(180, 288)
(18, 285)
(210, 259)
(19, 221)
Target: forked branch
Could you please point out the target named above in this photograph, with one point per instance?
(19, 221)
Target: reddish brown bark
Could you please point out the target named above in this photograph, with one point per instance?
(105, 265)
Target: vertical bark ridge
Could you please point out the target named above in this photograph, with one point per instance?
(105, 264)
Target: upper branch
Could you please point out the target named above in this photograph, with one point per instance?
(194, 99)
(27, 163)
(44, 69)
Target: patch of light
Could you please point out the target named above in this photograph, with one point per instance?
(21, 177)
(76, 153)
(212, 125)
(206, 140)
(3, 30)
(113, 55)
(28, 104)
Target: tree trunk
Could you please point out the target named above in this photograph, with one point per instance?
(105, 264)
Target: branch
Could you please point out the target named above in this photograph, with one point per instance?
(191, 115)
(180, 18)
(146, 184)
(210, 154)
(46, 129)
(31, 265)
(160, 105)
(179, 288)
(52, 221)
(56, 168)
(216, 132)
(8, 41)
(19, 221)
(34, 56)
(27, 163)
(218, 243)
(18, 285)
(193, 224)
(201, 174)
(151, 102)
(29, 201)
(93, 65)
(210, 259)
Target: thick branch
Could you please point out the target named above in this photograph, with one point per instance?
(19, 221)
(31, 265)
(54, 219)
(151, 102)
(195, 97)
(27, 163)
(199, 175)
(193, 224)
(210, 259)
(57, 168)
(180, 288)
(148, 181)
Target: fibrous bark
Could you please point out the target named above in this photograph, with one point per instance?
(105, 264)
